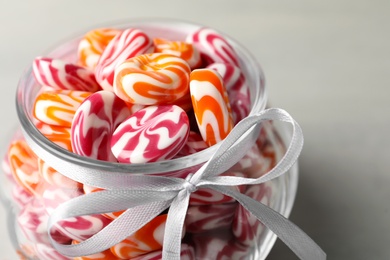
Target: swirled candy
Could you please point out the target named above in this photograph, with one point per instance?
(236, 87)
(152, 79)
(213, 46)
(151, 134)
(184, 50)
(202, 218)
(93, 44)
(61, 75)
(58, 108)
(57, 134)
(53, 177)
(105, 255)
(94, 122)
(24, 167)
(47, 252)
(246, 228)
(147, 239)
(186, 253)
(126, 44)
(193, 145)
(211, 105)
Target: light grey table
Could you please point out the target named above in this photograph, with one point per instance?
(327, 63)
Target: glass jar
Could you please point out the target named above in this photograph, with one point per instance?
(213, 228)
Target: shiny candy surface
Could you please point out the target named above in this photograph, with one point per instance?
(61, 75)
(152, 79)
(147, 239)
(213, 46)
(94, 122)
(184, 50)
(237, 88)
(151, 134)
(126, 44)
(58, 107)
(93, 44)
(211, 105)
(57, 134)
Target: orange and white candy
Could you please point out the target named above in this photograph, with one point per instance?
(126, 44)
(58, 107)
(211, 105)
(184, 50)
(93, 44)
(53, 177)
(104, 255)
(152, 79)
(57, 134)
(24, 167)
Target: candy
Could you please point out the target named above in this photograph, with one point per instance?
(47, 252)
(151, 134)
(94, 122)
(187, 253)
(105, 255)
(193, 145)
(20, 196)
(152, 79)
(93, 44)
(147, 239)
(53, 177)
(237, 88)
(61, 75)
(24, 167)
(246, 228)
(211, 105)
(204, 218)
(58, 108)
(57, 134)
(213, 46)
(126, 44)
(184, 50)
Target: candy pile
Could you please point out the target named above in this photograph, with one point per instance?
(130, 98)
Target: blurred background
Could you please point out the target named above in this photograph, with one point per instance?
(326, 62)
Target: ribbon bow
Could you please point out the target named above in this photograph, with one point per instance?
(146, 196)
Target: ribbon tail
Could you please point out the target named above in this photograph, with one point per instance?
(174, 226)
(296, 239)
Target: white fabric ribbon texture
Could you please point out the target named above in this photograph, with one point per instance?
(146, 196)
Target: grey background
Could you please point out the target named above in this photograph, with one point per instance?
(326, 62)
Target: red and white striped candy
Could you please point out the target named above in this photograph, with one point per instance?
(58, 108)
(187, 253)
(237, 88)
(204, 218)
(20, 196)
(246, 228)
(211, 105)
(151, 134)
(184, 50)
(53, 177)
(32, 221)
(105, 255)
(152, 79)
(94, 122)
(213, 46)
(47, 252)
(126, 44)
(213, 246)
(147, 239)
(54, 196)
(93, 44)
(24, 167)
(61, 75)
(57, 134)
(193, 145)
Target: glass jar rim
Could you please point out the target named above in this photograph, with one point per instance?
(26, 83)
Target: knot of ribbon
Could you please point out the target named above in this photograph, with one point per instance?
(143, 197)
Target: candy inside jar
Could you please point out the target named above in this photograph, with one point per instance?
(143, 98)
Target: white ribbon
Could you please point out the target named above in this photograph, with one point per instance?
(146, 196)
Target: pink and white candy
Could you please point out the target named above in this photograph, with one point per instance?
(151, 134)
(213, 46)
(237, 89)
(126, 44)
(61, 75)
(47, 252)
(94, 122)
